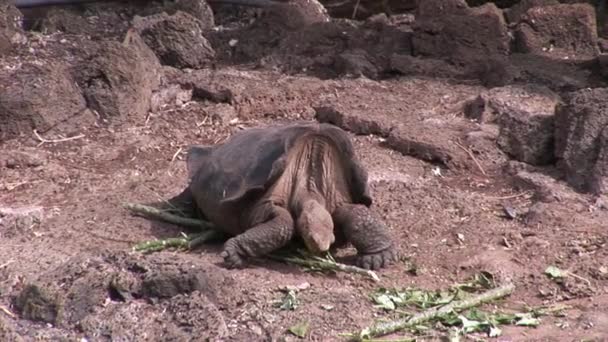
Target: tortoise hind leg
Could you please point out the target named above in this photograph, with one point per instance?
(275, 230)
(368, 234)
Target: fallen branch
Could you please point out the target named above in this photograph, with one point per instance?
(386, 328)
(167, 217)
(43, 140)
(208, 233)
(326, 265)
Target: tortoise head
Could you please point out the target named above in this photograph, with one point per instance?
(316, 227)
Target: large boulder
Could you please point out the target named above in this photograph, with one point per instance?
(525, 115)
(581, 138)
(452, 30)
(118, 78)
(565, 31)
(176, 39)
(38, 96)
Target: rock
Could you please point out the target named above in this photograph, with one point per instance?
(430, 8)
(449, 29)
(295, 15)
(490, 105)
(199, 9)
(603, 44)
(355, 63)
(119, 78)
(525, 116)
(603, 64)
(39, 96)
(528, 137)
(16, 221)
(11, 33)
(176, 39)
(580, 138)
(599, 174)
(431, 67)
(565, 31)
(65, 20)
(417, 138)
(557, 75)
(515, 12)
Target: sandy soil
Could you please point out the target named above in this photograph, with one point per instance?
(438, 178)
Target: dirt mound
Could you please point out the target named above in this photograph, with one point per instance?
(105, 294)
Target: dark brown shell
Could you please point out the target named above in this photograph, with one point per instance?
(248, 162)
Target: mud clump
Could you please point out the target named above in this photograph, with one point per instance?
(565, 30)
(40, 96)
(453, 31)
(582, 139)
(118, 79)
(176, 39)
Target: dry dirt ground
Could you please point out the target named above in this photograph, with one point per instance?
(482, 129)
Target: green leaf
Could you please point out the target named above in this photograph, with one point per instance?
(289, 302)
(527, 320)
(494, 332)
(299, 329)
(385, 302)
(555, 272)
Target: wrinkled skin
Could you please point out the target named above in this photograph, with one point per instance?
(267, 186)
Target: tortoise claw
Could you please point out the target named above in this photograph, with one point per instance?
(231, 255)
(378, 260)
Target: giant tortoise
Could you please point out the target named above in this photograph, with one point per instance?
(265, 186)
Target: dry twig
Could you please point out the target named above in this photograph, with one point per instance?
(7, 263)
(472, 157)
(176, 154)
(44, 141)
(7, 311)
(509, 196)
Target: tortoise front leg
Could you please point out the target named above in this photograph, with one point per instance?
(275, 231)
(368, 234)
